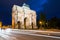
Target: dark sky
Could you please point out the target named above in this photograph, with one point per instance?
(50, 7)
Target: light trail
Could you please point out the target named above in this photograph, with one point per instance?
(25, 32)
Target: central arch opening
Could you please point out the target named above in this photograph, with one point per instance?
(19, 24)
(25, 22)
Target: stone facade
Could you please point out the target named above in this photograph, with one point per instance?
(23, 17)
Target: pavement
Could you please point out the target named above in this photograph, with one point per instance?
(19, 34)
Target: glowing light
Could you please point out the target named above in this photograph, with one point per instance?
(40, 22)
(0, 24)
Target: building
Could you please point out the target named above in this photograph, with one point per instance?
(0, 24)
(23, 17)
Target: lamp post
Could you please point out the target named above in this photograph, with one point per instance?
(40, 24)
(47, 23)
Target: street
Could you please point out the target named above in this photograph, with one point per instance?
(10, 34)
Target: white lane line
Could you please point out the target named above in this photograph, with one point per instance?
(37, 35)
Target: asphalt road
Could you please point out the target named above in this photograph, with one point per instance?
(24, 35)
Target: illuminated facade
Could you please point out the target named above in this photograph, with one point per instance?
(23, 17)
(0, 24)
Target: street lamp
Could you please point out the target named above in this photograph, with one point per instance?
(40, 24)
(47, 23)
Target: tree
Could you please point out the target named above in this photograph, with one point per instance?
(42, 20)
(53, 22)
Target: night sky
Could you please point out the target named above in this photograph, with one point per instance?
(50, 7)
